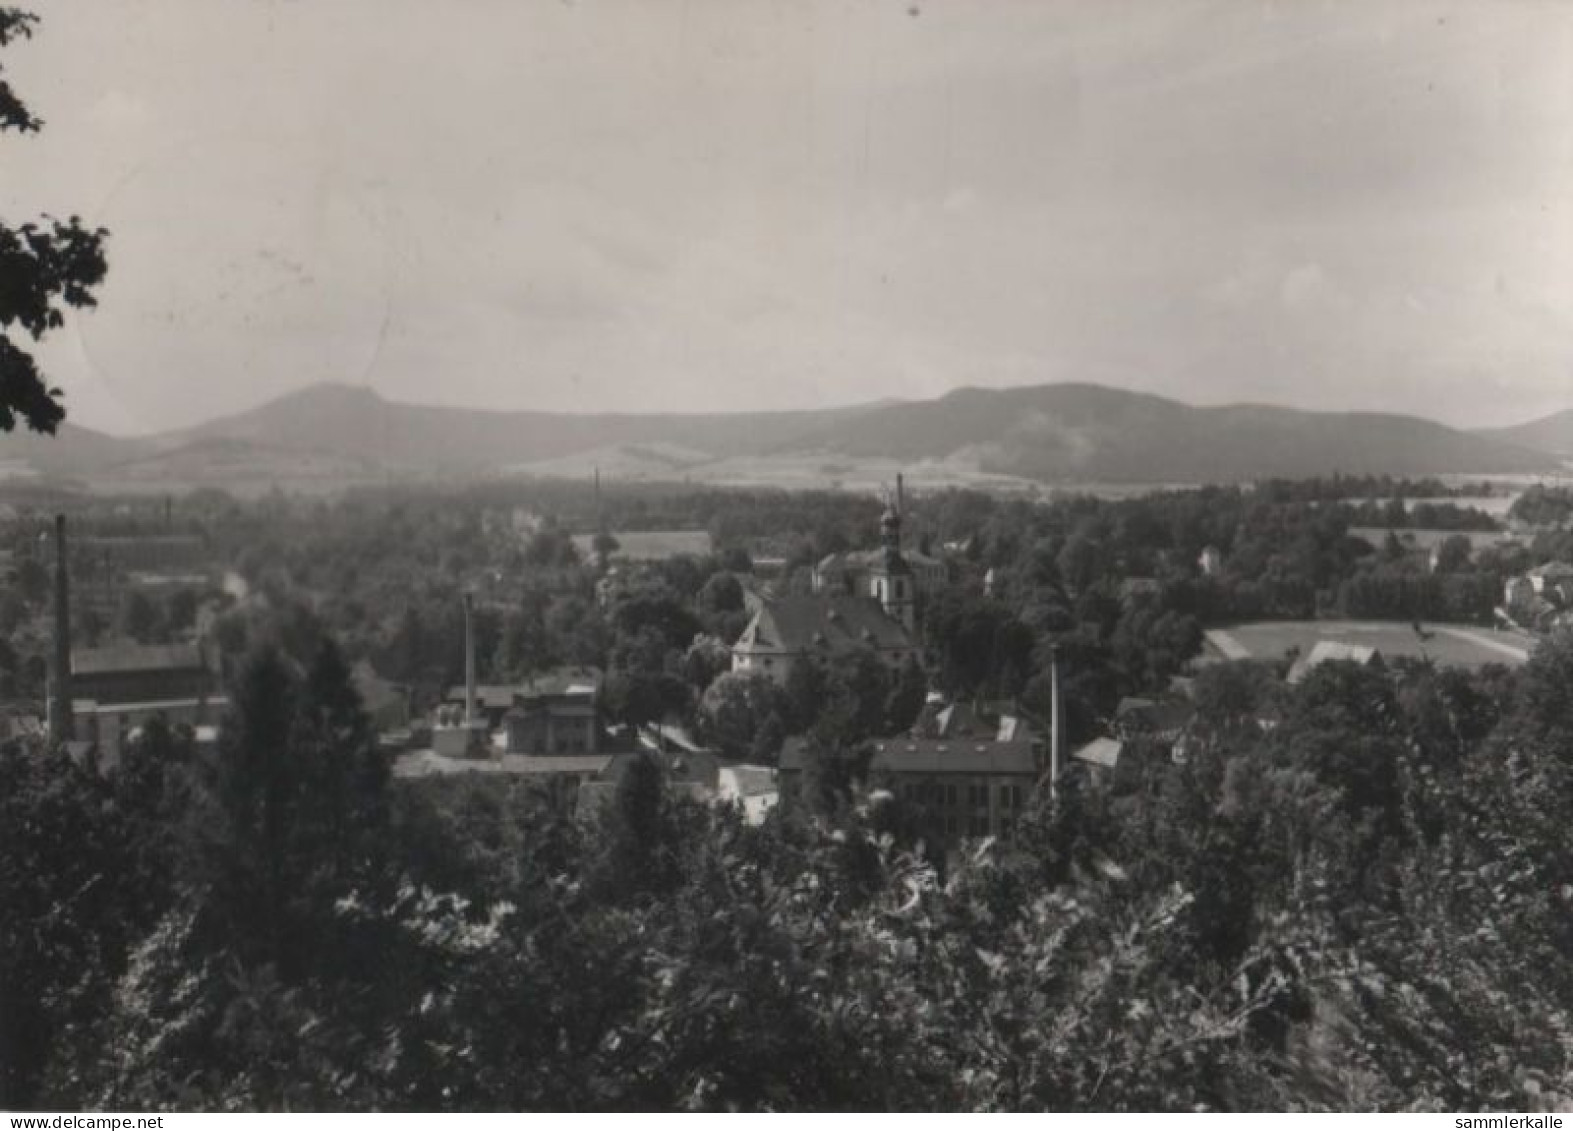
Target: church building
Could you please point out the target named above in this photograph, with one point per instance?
(878, 612)
(873, 573)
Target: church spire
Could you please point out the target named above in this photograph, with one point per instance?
(892, 579)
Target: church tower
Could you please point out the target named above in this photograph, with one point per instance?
(890, 580)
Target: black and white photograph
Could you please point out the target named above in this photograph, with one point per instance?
(805, 556)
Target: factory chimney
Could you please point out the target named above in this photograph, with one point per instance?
(1056, 719)
(901, 500)
(469, 659)
(60, 728)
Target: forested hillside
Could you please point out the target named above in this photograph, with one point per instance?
(1060, 434)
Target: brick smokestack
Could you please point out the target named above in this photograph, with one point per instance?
(901, 500)
(1056, 721)
(469, 658)
(60, 728)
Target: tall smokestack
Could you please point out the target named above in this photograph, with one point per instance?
(60, 728)
(600, 515)
(1056, 721)
(901, 507)
(469, 658)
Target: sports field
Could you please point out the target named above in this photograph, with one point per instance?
(1453, 645)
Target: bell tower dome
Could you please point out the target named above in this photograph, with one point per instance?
(891, 580)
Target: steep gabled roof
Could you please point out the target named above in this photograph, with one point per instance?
(823, 624)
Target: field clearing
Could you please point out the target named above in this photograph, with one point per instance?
(1496, 505)
(1422, 539)
(794, 471)
(1449, 645)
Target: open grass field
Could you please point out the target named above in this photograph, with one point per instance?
(793, 471)
(1422, 539)
(1447, 644)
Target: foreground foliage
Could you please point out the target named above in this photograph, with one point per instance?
(1361, 906)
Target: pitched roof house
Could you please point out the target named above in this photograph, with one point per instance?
(784, 629)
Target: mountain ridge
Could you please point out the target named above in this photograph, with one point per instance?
(1552, 434)
(1064, 433)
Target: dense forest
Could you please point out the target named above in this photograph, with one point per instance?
(1363, 905)
(1352, 893)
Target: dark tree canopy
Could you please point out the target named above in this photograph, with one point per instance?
(44, 265)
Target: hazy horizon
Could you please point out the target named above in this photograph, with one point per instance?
(572, 205)
(435, 402)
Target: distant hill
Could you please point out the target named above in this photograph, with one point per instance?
(71, 453)
(1091, 433)
(225, 461)
(1550, 434)
(1048, 434)
(68, 456)
(360, 423)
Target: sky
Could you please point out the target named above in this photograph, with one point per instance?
(716, 205)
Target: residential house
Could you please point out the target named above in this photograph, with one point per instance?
(785, 629)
